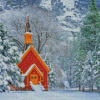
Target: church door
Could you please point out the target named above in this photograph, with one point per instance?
(34, 79)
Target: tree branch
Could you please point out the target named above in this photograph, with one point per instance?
(21, 46)
(44, 42)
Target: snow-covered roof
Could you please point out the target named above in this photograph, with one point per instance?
(36, 54)
(33, 65)
(26, 50)
(28, 33)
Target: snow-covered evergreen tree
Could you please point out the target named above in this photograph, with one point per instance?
(97, 72)
(9, 72)
(97, 65)
(90, 33)
(88, 75)
(51, 75)
(91, 28)
(79, 57)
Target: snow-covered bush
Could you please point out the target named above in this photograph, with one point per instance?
(37, 88)
(64, 79)
(66, 83)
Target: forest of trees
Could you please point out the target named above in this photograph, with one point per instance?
(85, 51)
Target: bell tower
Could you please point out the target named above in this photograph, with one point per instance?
(28, 35)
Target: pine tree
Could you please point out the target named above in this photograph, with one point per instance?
(97, 65)
(9, 72)
(97, 71)
(77, 69)
(51, 75)
(88, 69)
(90, 33)
(93, 6)
(91, 28)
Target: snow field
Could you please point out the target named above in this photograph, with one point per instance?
(49, 95)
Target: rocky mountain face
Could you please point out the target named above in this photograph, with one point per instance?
(83, 5)
(8, 4)
(56, 6)
(69, 13)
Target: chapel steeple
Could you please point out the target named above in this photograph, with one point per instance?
(27, 27)
(27, 35)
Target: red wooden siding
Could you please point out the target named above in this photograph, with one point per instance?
(28, 60)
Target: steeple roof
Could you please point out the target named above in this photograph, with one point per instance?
(27, 27)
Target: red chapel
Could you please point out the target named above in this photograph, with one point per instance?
(32, 66)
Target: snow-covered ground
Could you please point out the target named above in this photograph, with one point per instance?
(49, 95)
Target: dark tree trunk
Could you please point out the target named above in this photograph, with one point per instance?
(70, 77)
(92, 87)
(3, 51)
(39, 44)
(98, 88)
(79, 87)
(83, 89)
